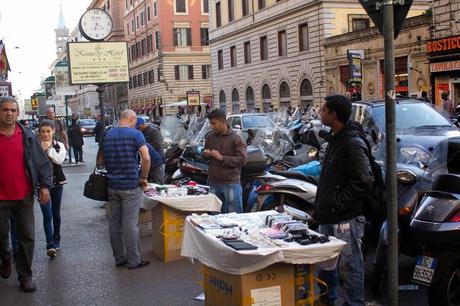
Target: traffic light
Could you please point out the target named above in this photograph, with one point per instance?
(34, 102)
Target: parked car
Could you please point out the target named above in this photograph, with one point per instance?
(244, 122)
(87, 126)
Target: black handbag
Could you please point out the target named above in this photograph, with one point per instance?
(96, 186)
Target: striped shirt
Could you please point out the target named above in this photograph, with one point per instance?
(120, 146)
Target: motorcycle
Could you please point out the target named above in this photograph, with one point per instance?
(436, 224)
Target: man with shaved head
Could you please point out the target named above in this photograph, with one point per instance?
(119, 153)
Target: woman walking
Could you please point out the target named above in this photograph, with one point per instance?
(76, 140)
(52, 209)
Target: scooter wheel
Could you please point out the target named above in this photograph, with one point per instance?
(447, 290)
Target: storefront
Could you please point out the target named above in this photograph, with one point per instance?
(444, 59)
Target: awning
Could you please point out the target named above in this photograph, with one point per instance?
(182, 103)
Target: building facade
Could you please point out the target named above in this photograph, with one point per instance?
(412, 75)
(444, 50)
(270, 52)
(168, 52)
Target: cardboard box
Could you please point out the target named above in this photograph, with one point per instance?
(273, 285)
(167, 232)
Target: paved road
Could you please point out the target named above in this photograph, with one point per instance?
(84, 272)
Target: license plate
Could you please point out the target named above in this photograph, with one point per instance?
(424, 270)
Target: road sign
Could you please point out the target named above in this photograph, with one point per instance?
(374, 10)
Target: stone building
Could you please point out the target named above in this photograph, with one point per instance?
(270, 52)
(411, 66)
(168, 52)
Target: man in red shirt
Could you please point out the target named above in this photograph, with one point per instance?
(25, 171)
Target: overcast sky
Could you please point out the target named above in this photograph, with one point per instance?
(27, 29)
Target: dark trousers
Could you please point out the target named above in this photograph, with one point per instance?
(14, 236)
(23, 211)
(78, 153)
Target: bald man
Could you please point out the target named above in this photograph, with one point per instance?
(119, 150)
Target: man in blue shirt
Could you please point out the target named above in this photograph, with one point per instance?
(120, 147)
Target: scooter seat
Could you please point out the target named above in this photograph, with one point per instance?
(447, 183)
(295, 175)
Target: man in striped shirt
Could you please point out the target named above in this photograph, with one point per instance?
(120, 147)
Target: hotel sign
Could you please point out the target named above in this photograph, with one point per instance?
(98, 62)
(445, 66)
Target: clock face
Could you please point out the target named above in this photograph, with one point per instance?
(95, 24)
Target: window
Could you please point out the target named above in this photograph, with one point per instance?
(220, 60)
(266, 93)
(247, 52)
(137, 22)
(181, 6)
(149, 15)
(139, 80)
(134, 81)
(138, 49)
(157, 40)
(182, 37)
(205, 71)
(263, 48)
(285, 92)
(249, 99)
(245, 6)
(146, 78)
(149, 43)
(144, 46)
(233, 56)
(204, 33)
(236, 123)
(183, 72)
(262, 4)
(306, 94)
(205, 6)
(155, 12)
(303, 37)
(159, 74)
(151, 77)
(142, 18)
(218, 15)
(358, 24)
(222, 101)
(231, 14)
(130, 85)
(132, 25)
(282, 43)
(235, 101)
(127, 28)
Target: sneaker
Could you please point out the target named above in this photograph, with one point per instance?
(142, 264)
(51, 252)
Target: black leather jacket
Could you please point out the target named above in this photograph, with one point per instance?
(37, 164)
(346, 177)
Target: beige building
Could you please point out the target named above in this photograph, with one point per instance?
(270, 52)
(411, 65)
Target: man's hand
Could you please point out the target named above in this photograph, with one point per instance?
(207, 153)
(44, 196)
(144, 183)
(216, 154)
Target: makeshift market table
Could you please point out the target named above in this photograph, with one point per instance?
(168, 215)
(228, 271)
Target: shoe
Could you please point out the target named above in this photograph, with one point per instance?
(142, 264)
(28, 285)
(5, 268)
(51, 253)
(122, 263)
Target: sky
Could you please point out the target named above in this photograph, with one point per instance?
(27, 30)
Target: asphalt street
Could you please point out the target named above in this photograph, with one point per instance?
(84, 271)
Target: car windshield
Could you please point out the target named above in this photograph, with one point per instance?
(256, 121)
(87, 122)
(412, 116)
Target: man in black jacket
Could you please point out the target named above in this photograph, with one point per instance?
(346, 178)
(25, 168)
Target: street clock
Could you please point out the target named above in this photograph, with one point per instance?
(95, 24)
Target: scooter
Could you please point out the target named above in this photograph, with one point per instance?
(436, 224)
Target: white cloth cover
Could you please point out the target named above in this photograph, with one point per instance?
(203, 203)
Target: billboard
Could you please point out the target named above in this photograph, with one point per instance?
(62, 84)
(98, 62)
(354, 61)
(5, 88)
(193, 98)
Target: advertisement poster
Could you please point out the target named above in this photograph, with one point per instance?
(193, 98)
(62, 84)
(50, 92)
(354, 60)
(440, 88)
(98, 62)
(5, 88)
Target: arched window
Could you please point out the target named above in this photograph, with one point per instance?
(222, 102)
(306, 94)
(235, 101)
(266, 97)
(285, 95)
(249, 99)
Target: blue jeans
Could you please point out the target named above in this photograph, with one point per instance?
(231, 196)
(350, 269)
(52, 218)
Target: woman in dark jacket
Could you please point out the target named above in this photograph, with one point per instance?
(76, 140)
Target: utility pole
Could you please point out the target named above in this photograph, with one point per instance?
(390, 124)
(100, 89)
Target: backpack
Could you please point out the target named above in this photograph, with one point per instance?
(375, 201)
